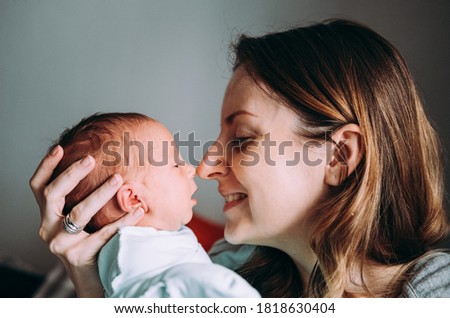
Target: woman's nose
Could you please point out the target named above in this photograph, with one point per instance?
(213, 165)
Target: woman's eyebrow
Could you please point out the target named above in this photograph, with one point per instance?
(230, 118)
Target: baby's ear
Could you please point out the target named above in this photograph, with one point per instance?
(129, 198)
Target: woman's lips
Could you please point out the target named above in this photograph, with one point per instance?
(234, 199)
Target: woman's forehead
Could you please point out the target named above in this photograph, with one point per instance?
(244, 96)
(246, 103)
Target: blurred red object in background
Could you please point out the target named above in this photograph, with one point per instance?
(207, 232)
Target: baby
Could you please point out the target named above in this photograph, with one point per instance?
(160, 257)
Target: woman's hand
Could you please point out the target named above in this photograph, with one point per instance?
(78, 252)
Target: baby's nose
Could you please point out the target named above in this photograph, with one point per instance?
(191, 170)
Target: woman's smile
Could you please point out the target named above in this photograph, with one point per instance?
(231, 200)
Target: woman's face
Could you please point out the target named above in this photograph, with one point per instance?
(270, 179)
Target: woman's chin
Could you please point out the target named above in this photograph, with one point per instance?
(230, 238)
(234, 237)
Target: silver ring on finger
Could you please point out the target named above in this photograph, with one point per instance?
(69, 226)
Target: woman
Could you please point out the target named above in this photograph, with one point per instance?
(326, 161)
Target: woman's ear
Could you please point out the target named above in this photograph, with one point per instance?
(348, 150)
(129, 198)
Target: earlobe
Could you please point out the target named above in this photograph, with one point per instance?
(128, 198)
(348, 150)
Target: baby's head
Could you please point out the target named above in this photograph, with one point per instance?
(144, 153)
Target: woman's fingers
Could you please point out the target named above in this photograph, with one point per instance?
(69, 179)
(44, 171)
(105, 234)
(82, 249)
(86, 209)
(53, 199)
(63, 242)
(97, 240)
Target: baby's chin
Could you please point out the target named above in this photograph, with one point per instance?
(188, 217)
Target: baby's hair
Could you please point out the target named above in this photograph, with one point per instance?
(87, 138)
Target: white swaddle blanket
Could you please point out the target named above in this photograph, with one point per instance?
(145, 262)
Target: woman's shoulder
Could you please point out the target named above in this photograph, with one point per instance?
(430, 277)
(228, 255)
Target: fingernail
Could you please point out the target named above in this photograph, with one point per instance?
(115, 179)
(54, 150)
(86, 161)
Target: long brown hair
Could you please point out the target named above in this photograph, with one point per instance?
(390, 210)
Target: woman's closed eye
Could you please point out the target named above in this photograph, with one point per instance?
(240, 143)
(240, 140)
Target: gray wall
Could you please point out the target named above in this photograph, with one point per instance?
(62, 60)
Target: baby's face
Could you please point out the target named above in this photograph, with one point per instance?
(168, 181)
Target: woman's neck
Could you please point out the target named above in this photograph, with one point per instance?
(303, 257)
(375, 276)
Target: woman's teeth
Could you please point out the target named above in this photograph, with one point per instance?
(235, 197)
